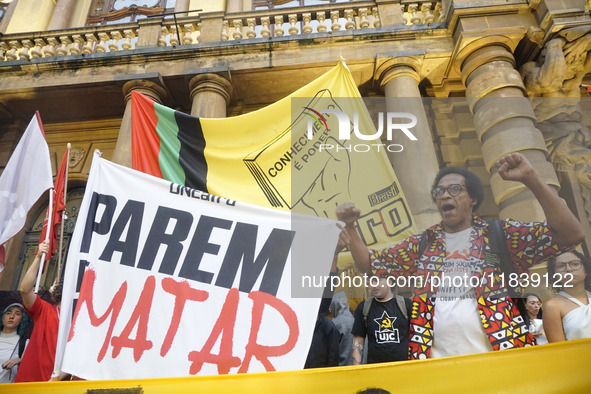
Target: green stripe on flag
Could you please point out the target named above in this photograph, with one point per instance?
(170, 146)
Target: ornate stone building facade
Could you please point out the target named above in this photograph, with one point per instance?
(491, 77)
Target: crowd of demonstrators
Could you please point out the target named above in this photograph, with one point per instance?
(383, 319)
(484, 314)
(567, 316)
(533, 317)
(38, 361)
(448, 320)
(13, 337)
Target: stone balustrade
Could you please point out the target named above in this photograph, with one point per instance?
(188, 32)
(110, 38)
(317, 19)
(421, 12)
(341, 16)
(357, 15)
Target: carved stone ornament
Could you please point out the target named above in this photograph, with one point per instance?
(552, 83)
(76, 156)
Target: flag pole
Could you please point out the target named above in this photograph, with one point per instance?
(59, 254)
(46, 239)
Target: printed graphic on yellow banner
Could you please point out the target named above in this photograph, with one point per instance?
(337, 156)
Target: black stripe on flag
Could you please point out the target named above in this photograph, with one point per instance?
(192, 153)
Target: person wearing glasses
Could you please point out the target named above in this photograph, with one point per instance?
(533, 312)
(470, 311)
(567, 316)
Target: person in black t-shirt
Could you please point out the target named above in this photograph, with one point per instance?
(385, 325)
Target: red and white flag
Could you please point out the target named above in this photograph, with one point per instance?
(57, 210)
(24, 179)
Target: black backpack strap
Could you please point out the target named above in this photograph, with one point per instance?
(498, 245)
(21, 345)
(366, 306)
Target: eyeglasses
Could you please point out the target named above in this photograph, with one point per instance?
(574, 265)
(454, 190)
(535, 303)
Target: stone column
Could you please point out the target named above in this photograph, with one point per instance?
(417, 164)
(390, 12)
(122, 154)
(504, 122)
(234, 6)
(149, 32)
(210, 94)
(60, 19)
(212, 25)
(181, 5)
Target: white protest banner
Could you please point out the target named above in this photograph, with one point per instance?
(179, 282)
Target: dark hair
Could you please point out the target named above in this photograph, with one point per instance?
(473, 183)
(525, 296)
(56, 294)
(373, 390)
(22, 327)
(586, 266)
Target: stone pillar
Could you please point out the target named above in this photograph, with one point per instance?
(234, 6)
(417, 164)
(212, 25)
(181, 5)
(122, 154)
(390, 12)
(210, 94)
(504, 122)
(149, 32)
(60, 19)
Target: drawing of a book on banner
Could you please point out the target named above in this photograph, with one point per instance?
(301, 168)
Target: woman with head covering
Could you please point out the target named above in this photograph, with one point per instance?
(567, 316)
(14, 322)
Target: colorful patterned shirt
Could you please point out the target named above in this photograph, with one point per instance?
(528, 244)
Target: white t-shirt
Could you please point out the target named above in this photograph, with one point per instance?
(457, 328)
(536, 326)
(8, 350)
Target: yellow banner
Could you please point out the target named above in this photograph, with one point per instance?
(308, 153)
(554, 368)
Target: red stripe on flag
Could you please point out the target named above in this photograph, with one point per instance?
(58, 208)
(145, 142)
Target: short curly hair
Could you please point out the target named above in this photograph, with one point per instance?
(56, 294)
(473, 183)
(586, 265)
